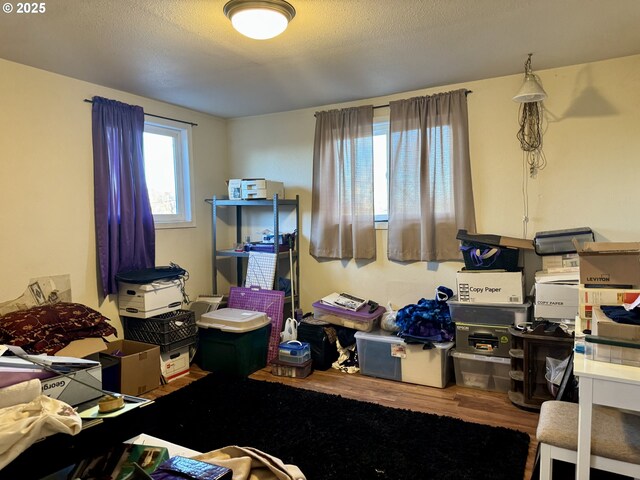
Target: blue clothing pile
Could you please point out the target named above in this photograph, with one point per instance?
(427, 321)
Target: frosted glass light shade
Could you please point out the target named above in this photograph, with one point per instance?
(259, 19)
(531, 90)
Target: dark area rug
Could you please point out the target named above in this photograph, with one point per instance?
(327, 436)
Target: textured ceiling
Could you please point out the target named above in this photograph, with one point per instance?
(185, 52)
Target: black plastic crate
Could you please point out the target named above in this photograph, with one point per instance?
(169, 330)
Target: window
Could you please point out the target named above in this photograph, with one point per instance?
(167, 165)
(441, 136)
(381, 170)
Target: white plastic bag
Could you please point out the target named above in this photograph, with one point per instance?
(290, 331)
(388, 320)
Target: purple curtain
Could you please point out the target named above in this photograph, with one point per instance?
(125, 234)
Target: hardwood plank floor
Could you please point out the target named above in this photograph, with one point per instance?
(479, 406)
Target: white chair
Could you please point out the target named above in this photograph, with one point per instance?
(615, 438)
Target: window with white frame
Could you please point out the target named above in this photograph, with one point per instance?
(167, 165)
(381, 170)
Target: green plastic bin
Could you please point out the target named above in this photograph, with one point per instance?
(233, 342)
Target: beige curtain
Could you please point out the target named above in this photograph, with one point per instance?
(430, 193)
(342, 224)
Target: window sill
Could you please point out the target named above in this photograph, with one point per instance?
(382, 225)
(173, 225)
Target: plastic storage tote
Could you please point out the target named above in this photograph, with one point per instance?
(362, 320)
(490, 313)
(294, 352)
(233, 342)
(383, 354)
(557, 242)
(483, 372)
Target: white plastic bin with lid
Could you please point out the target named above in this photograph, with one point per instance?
(481, 371)
(233, 342)
(383, 354)
(233, 320)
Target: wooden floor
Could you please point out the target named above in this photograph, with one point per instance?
(491, 408)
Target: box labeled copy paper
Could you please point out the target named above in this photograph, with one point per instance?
(487, 286)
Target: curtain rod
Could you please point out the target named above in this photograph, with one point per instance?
(466, 93)
(158, 116)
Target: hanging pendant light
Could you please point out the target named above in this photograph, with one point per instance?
(531, 90)
(259, 19)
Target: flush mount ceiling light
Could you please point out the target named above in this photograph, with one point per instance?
(531, 90)
(259, 19)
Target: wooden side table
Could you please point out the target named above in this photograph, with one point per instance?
(529, 351)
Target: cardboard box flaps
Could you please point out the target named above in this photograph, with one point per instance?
(495, 240)
(609, 263)
(83, 348)
(603, 326)
(139, 365)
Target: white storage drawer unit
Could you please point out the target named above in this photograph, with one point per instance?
(383, 354)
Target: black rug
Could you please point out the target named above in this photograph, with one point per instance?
(327, 436)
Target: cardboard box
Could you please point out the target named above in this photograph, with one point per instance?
(66, 389)
(259, 188)
(603, 326)
(234, 186)
(564, 262)
(610, 263)
(556, 300)
(592, 297)
(149, 299)
(174, 364)
(139, 365)
(563, 294)
(490, 286)
(555, 312)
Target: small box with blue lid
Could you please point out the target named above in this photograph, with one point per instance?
(294, 352)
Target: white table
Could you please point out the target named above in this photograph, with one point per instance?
(601, 383)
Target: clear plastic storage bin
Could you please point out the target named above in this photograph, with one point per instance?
(383, 354)
(489, 313)
(362, 320)
(482, 372)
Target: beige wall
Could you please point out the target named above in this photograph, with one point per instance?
(592, 145)
(46, 186)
